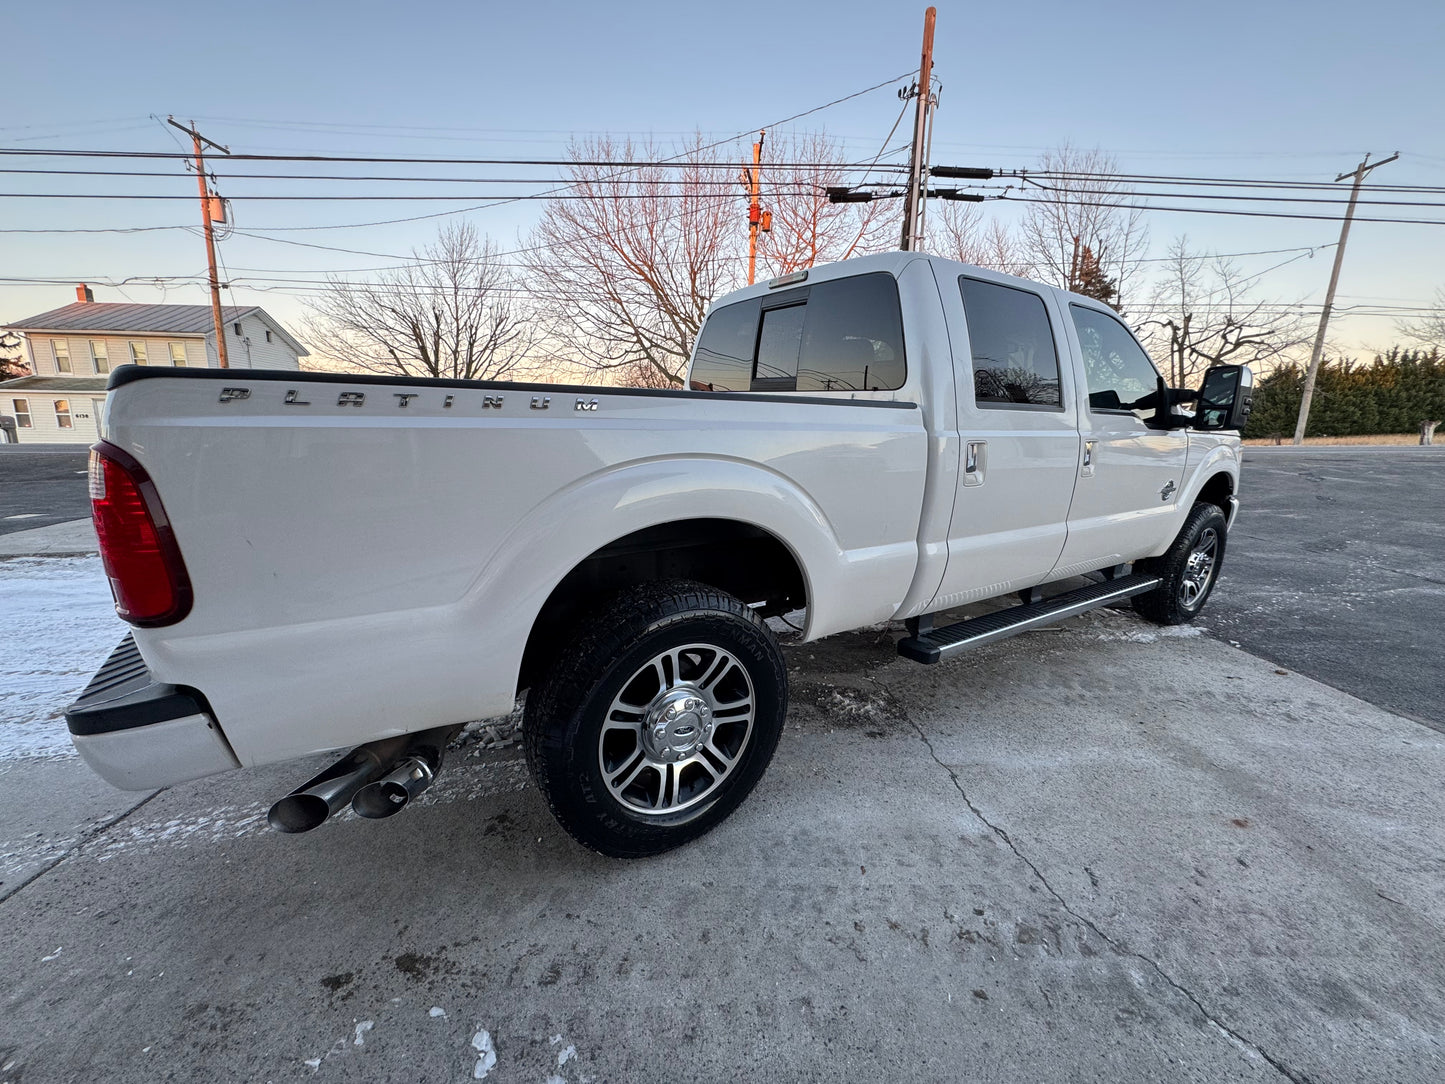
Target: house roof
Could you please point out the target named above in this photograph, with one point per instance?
(74, 384)
(104, 316)
(84, 316)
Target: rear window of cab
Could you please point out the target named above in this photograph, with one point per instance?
(841, 335)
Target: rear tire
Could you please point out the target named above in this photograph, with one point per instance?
(657, 720)
(1190, 569)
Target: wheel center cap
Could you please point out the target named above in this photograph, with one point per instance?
(677, 725)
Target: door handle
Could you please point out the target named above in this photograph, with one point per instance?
(975, 458)
(1086, 467)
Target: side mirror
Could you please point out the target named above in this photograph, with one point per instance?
(1226, 398)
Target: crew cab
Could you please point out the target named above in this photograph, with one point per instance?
(326, 561)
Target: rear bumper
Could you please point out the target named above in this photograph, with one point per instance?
(138, 734)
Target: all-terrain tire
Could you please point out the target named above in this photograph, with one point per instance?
(1189, 568)
(656, 721)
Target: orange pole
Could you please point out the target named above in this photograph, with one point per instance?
(755, 207)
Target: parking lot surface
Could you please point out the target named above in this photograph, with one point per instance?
(39, 487)
(1336, 568)
(1100, 852)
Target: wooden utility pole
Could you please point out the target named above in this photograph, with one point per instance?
(758, 219)
(208, 203)
(912, 209)
(1358, 173)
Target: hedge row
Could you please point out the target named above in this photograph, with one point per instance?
(1393, 394)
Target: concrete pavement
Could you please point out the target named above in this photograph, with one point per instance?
(1098, 852)
(72, 538)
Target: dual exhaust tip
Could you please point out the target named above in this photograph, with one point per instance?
(377, 780)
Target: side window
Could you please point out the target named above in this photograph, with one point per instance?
(723, 360)
(100, 355)
(1120, 375)
(1014, 359)
(61, 350)
(62, 413)
(853, 340)
(137, 352)
(22, 413)
(778, 342)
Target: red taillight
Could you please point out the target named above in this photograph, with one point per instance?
(138, 548)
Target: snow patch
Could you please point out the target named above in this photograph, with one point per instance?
(361, 1029)
(566, 1056)
(60, 626)
(487, 1055)
(437, 1012)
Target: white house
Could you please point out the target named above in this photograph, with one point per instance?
(71, 350)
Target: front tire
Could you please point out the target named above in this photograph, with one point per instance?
(657, 720)
(1189, 569)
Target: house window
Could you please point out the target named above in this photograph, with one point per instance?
(137, 352)
(268, 334)
(178, 354)
(236, 327)
(22, 412)
(61, 349)
(62, 413)
(99, 355)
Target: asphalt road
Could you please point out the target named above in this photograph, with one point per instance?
(1336, 569)
(38, 488)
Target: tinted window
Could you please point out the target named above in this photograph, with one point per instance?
(843, 335)
(1014, 360)
(724, 356)
(778, 342)
(853, 340)
(1120, 375)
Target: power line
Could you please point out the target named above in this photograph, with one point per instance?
(1216, 211)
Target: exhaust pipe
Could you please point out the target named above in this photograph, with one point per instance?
(309, 805)
(417, 770)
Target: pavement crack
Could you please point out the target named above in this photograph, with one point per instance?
(1234, 1036)
(76, 847)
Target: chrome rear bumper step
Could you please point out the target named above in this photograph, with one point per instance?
(944, 643)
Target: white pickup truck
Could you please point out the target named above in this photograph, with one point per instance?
(323, 561)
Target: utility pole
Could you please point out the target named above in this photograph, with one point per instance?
(208, 202)
(758, 219)
(1358, 173)
(913, 206)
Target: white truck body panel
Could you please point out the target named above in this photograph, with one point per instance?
(369, 556)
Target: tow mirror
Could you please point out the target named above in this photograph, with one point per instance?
(1226, 398)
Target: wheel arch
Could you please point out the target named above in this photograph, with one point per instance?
(741, 558)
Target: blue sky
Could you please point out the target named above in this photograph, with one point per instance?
(1267, 89)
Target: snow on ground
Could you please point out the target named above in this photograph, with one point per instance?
(59, 625)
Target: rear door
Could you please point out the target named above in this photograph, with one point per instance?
(1018, 421)
(1130, 473)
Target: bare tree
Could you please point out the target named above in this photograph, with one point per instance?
(12, 356)
(1428, 330)
(626, 264)
(807, 228)
(454, 312)
(957, 231)
(1077, 194)
(1204, 312)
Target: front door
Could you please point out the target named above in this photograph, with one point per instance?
(1130, 473)
(1018, 425)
